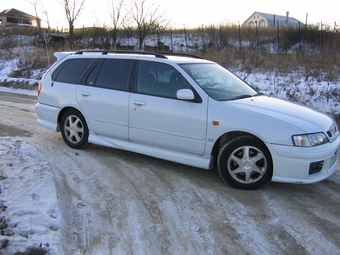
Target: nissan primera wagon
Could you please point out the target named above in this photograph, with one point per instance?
(187, 110)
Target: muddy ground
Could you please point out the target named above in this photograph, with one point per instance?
(118, 202)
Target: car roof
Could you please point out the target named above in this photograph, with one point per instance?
(179, 58)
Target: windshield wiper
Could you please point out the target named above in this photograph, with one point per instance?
(258, 94)
(247, 96)
(241, 97)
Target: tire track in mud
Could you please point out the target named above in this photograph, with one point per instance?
(87, 214)
(178, 210)
(162, 210)
(295, 218)
(148, 205)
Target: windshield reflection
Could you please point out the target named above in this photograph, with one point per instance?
(218, 82)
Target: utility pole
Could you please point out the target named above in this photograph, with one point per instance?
(239, 35)
(186, 39)
(257, 37)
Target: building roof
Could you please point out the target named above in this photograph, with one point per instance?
(279, 18)
(282, 20)
(16, 13)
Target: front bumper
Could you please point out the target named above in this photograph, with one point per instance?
(293, 164)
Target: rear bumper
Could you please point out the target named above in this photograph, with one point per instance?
(48, 116)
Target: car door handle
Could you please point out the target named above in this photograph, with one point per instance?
(85, 94)
(139, 103)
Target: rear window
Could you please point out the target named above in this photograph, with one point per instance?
(71, 70)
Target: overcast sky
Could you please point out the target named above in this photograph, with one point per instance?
(192, 13)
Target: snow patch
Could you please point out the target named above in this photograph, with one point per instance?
(30, 214)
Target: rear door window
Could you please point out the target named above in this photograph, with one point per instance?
(113, 74)
(71, 70)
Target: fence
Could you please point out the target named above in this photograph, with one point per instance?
(282, 39)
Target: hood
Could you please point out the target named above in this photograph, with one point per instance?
(304, 118)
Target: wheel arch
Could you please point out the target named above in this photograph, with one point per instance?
(228, 137)
(62, 112)
(245, 162)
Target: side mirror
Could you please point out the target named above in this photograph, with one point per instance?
(185, 94)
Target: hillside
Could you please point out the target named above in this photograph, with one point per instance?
(303, 70)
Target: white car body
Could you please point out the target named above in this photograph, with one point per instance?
(187, 132)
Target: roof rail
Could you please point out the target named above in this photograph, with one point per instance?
(105, 52)
(156, 54)
(180, 54)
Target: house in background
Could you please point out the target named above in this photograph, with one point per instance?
(271, 20)
(14, 17)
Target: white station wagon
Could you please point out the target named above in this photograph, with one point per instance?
(187, 110)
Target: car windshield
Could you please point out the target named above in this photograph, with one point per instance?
(218, 82)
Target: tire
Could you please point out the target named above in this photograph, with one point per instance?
(74, 129)
(245, 163)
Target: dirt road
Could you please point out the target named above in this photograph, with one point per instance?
(118, 202)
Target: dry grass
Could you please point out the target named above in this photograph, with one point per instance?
(311, 52)
(323, 67)
(28, 60)
(33, 251)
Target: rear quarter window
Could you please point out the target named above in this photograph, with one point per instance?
(71, 70)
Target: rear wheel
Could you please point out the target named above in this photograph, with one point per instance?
(74, 129)
(245, 163)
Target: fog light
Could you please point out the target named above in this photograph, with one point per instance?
(315, 167)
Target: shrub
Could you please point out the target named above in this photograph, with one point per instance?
(29, 60)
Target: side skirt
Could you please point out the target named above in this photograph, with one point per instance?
(200, 161)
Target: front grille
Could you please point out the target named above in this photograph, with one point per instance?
(315, 167)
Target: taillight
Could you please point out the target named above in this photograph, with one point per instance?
(39, 87)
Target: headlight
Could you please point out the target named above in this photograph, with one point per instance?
(308, 140)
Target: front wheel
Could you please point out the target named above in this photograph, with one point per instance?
(245, 163)
(74, 129)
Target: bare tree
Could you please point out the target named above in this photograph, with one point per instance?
(72, 9)
(46, 14)
(147, 17)
(117, 17)
(34, 3)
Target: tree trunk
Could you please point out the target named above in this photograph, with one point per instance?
(71, 27)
